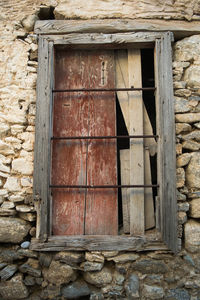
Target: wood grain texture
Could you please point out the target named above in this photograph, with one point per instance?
(166, 124)
(80, 162)
(148, 193)
(99, 243)
(42, 138)
(122, 80)
(125, 180)
(179, 28)
(116, 40)
(136, 146)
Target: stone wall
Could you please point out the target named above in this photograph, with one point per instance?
(26, 274)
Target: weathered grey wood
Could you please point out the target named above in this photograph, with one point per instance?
(125, 179)
(122, 82)
(165, 126)
(121, 74)
(148, 193)
(42, 141)
(101, 243)
(121, 40)
(179, 28)
(136, 146)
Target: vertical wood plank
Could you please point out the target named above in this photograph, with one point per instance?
(42, 145)
(122, 82)
(148, 194)
(125, 180)
(166, 123)
(101, 204)
(69, 156)
(136, 145)
(84, 162)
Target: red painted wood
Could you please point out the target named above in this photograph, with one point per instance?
(101, 204)
(80, 211)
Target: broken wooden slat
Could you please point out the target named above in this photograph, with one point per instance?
(136, 145)
(148, 194)
(125, 179)
(123, 97)
(122, 81)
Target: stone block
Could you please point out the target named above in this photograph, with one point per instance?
(13, 230)
(76, 290)
(13, 288)
(188, 118)
(183, 160)
(23, 166)
(150, 266)
(132, 287)
(183, 127)
(92, 256)
(177, 294)
(90, 266)
(191, 145)
(193, 171)
(153, 292)
(181, 105)
(12, 184)
(31, 267)
(5, 148)
(99, 278)
(123, 258)
(195, 208)
(70, 257)
(59, 273)
(180, 177)
(192, 236)
(8, 272)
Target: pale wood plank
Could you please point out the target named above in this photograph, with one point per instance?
(122, 81)
(148, 194)
(125, 179)
(167, 157)
(179, 28)
(121, 73)
(136, 146)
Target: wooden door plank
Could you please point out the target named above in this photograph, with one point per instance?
(148, 194)
(101, 204)
(69, 156)
(136, 145)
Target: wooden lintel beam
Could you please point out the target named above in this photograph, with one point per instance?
(180, 29)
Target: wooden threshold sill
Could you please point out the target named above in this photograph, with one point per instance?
(98, 243)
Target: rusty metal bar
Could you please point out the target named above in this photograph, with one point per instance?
(103, 186)
(132, 89)
(103, 137)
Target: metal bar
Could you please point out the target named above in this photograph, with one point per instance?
(103, 186)
(103, 137)
(132, 89)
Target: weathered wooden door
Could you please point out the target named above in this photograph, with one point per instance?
(84, 162)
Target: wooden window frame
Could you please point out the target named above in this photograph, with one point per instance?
(167, 240)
